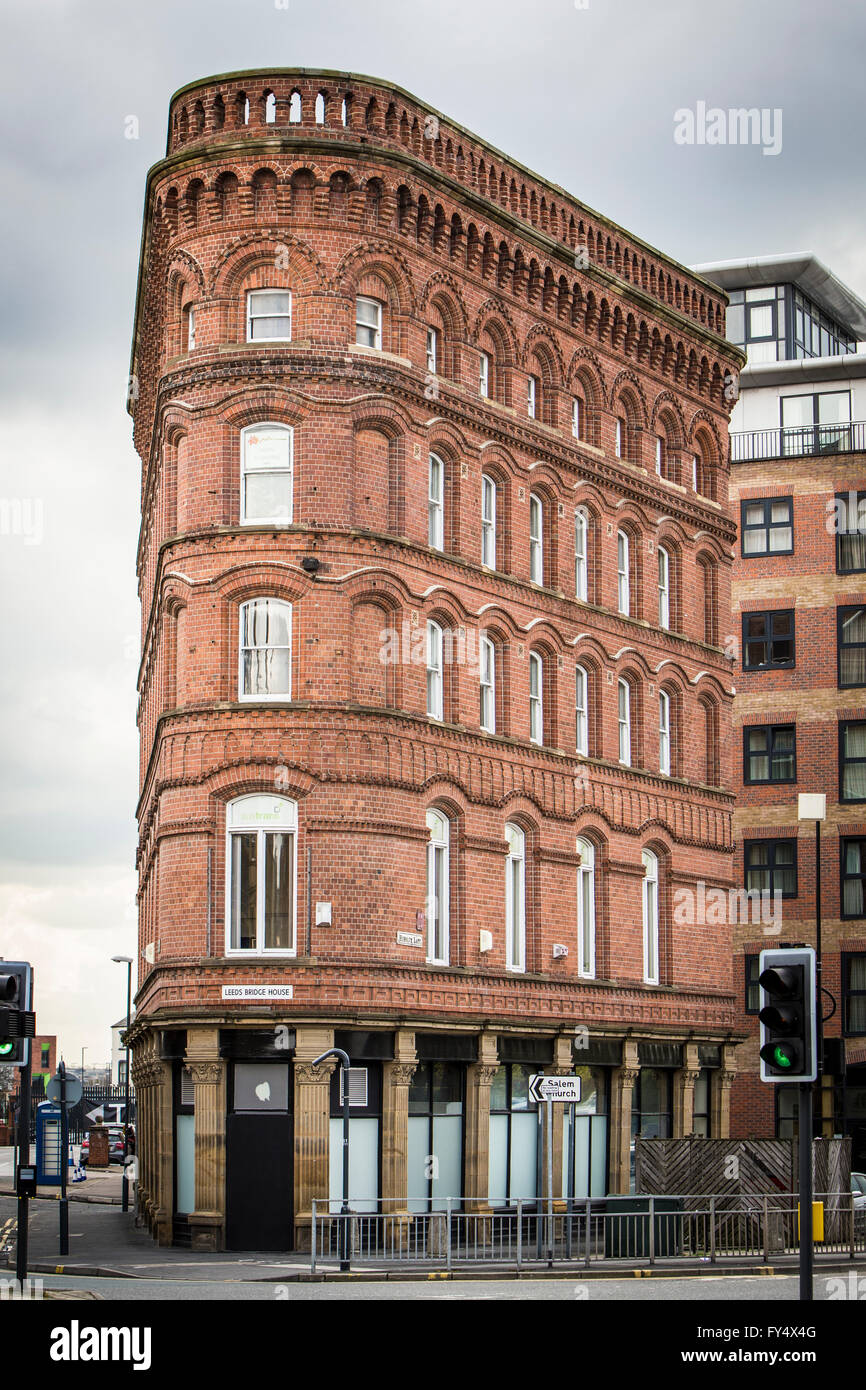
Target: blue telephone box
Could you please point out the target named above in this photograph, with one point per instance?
(49, 1144)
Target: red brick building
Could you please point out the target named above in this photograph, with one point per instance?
(799, 602)
(435, 565)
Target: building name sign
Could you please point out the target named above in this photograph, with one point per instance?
(249, 993)
(409, 938)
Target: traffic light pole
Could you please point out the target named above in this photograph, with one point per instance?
(804, 1121)
(21, 1247)
(64, 1162)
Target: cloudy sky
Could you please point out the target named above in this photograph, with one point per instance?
(585, 93)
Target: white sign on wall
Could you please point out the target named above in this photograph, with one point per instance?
(409, 938)
(248, 993)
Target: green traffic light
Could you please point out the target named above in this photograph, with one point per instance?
(6, 1048)
(781, 1057)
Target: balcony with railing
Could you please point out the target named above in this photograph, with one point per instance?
(799, 441)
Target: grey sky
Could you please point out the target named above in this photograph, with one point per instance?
(584, 96)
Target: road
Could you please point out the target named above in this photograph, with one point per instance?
(758, 1288)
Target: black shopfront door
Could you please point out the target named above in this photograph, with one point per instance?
(259, 1187)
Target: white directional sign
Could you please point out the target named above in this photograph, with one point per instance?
(562, 1088)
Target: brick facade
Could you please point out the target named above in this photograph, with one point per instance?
(370, 194)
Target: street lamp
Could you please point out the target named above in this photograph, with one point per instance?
(83, 1050)
(343, 1058)
(813, 806)
(127, 961)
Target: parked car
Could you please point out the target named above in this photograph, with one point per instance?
(858, 1191)
(115, 1144)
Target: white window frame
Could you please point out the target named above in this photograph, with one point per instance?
(623, 709)
(438, 869)
(281, 697)
(288, 470)
(487, 682)
(536, 698)
(532, 397)
(581, 710)
(660, 454)
(581, 542)
(586, 910)
(650, 917)
(432, 350)
(436, 502)
(362, 326)
(488, 521)
(664, 733)
(623, 586)
(515, 912)
(575, 417)
(254, 825)
(695, 487)
(190, 329)
(484, 374)
(618, 441)
(435, 673)
(251, 317)
(536, 538)
(664, 563)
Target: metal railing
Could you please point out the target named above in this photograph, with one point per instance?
(799, 441)
(638, 1229)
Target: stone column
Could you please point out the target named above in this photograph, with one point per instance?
(396, 1078)
(563, 1065)
(622, 1086)
(720, 1104)
(207, 1071)
(684, 1092)
(311, 1127)
(162, 1122)
(479, 1079)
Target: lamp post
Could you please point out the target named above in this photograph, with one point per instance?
(343, 1058)
(127, 961)
(811, 806)
(83, 1050)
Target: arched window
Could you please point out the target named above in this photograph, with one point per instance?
(265, 650)
(586, 910)
(487, 678)
(488, 521)
(664, 733)
(577, 417)
(533, 397)
(581, 710)
(624, 721)
(581, 559)
(484, 374)
(269, 315)
(536, 698)
(270, 109)
(261, 875)
(515, 899)
(295, 108)
(266, 474)
(368, 322)
(189, 330)
(438, 887)
(623, 574)
(436, 503)
(536, 538)
(664, 587)
(320, 109)
(650, 916)
(435, 677)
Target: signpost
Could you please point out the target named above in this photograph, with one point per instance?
(564, 1090)
(64, 1091)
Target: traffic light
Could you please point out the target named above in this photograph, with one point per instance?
(788, 1018)
(17, 1021)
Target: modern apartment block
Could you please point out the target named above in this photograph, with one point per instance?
(798, 480)
(435, 567)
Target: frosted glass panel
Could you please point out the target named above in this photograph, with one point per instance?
(185, 1149)
(447, 1148)
(524, 1138)
(498, 1169)
(419, 1135)
(363, 1164)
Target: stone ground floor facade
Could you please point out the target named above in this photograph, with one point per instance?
(239, 1132)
